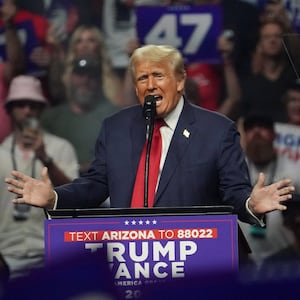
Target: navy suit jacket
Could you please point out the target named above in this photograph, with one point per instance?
(205, 168)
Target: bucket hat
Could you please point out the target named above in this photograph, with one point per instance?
(25, 88)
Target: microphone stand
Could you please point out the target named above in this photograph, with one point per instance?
(149, 112)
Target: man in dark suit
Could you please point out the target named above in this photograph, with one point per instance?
(202, 161)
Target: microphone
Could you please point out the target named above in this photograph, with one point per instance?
(149, 111)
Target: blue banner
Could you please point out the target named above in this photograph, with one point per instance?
(293, 8)
(193, 30)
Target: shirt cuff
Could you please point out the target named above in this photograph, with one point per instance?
(258, 220)
(48, 216)
(55, 203)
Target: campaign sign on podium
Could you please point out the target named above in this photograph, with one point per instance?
(143, 248)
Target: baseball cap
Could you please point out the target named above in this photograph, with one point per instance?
(258, 119)
(86, 65)
(25, 88)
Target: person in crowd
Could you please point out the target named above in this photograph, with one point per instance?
(28, 149)
(245, 28)
(277, 10)
(271, 74)
(55, 11)
(79, 118)
(229, 106)
(12, 61)
(118, 25)
(201, 161)
(33, 28)
(261, 156)
(86, 40)
(218, 84)
(285, 263)
(287, 142)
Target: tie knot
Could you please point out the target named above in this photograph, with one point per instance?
(159, 123)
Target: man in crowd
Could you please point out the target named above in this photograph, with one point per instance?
(28, 149)
(78, 119)
(287, 142)
(261, 156)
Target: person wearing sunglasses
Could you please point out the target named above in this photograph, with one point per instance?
(28, 149)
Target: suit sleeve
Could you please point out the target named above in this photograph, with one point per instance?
(91, 189)
(235, 185)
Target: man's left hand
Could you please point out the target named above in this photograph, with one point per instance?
(267, 198)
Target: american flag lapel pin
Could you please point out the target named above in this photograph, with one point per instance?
(186, 133)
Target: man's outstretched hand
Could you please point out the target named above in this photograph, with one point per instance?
(35, 192)
(266, 198)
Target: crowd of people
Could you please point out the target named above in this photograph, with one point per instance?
(67, 66)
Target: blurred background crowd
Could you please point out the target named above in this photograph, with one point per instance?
(63, 69)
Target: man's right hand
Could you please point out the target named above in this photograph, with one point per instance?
(35, 192)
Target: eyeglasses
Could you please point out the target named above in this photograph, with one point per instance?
(31, 104)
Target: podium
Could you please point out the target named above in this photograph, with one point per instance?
(144, 247)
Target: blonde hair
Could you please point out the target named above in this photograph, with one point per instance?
(158, 53)
(109, 80)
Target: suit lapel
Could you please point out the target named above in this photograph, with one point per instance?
(181, 139)
(138, 137)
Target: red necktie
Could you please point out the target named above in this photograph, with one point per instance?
(155, 154)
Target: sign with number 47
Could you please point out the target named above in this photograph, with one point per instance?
(193, 30)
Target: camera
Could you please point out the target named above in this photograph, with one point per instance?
(31, 123)
(228, 34)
